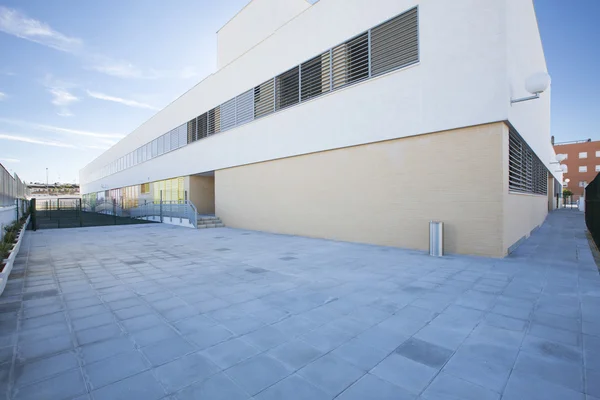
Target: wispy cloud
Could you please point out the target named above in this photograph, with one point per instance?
(127, 102)
(20, 25)
(97, 147)
(33, 140)
(3, 96)
(9, 160)
(56, 129)
(120, 68)
(61, 97)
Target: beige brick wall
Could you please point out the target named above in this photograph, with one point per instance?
(202, 193)
(383, 193)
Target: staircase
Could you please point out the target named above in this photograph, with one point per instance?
(209, 221)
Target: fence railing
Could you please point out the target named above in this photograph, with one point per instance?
(11, 188)
(592, 209)
(157, 211)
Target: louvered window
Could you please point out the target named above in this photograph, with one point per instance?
(395, 44)
(227, 115)
(526, 173)
(154, 148)
(174, 139)
(201, 122)
(214, 120)
(264, 98)
(182, 131)
(351, 61)
(244, 107)
(315, 76)
(161, 145)
(192, 133)
(287, 88)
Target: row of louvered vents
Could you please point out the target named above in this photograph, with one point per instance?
(526, 173)
(389, 46)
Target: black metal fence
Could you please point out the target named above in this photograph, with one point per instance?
(592, 209)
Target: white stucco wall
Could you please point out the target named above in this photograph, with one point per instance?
(255, 22)
(8, 215)
(462, 80)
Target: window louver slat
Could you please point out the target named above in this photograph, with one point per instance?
(214, 121)
(202, 124)
(395, 43)
(264, 98)
(227, 115)
(245, 107)
(182, 132)
(192, 134)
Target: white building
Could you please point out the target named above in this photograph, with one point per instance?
(356, 121)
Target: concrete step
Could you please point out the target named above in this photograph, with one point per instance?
(205, 226)
(209, 221)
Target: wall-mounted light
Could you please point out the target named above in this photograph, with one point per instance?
(559, 158)
(535, 84)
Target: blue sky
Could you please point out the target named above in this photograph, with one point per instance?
(75, 76)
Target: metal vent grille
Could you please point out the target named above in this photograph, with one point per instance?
(288, 88)
(264, 98)
(395, 44)
(202, 124)
(161, 145)
(192, 134)
(214, 121)
(174, 139)
(244, 107)
(315, 76)
(227, 115)
(351, 61)
(526, 173)
(154, 148)
(182, 132)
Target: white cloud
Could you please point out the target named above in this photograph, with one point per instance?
(97, 147)
(121, 69)
(15, 23)
(10, 160)
(127, 102)
(27, 139)
(62, 97)
(56, 129)
(3, 96)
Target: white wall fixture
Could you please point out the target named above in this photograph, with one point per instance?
(536, 84)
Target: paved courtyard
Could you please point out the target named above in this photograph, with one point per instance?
(160, 312)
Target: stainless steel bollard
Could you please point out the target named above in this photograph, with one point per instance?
(436, 238)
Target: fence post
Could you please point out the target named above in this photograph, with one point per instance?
(160, 205)
(32, 211)
(115, 210)
(80, 213)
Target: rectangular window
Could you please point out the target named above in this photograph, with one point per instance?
(583, 154)
(192, 134)
(202, 124)
(395, 44)
(597, 153)
(244, 107)
(154, 148)
(315, 77)
(565, 184)
(174, 139)
(597, 168)
(227, 115)
(182, 132)
(582, 184)
(526, 173)
(583, 169)
(288, 88)
(214, 120)
(264, 98)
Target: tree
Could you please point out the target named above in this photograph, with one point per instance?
(567, 193)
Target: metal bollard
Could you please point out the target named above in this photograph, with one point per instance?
(436, 238)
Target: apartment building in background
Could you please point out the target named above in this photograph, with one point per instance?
(356, 121)
(582, 164)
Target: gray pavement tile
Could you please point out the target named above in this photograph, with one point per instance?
(326, 337)
(384, 339)
(100, 350)
(447, 337)
(558, 321)
(292, 387)
(231, 352)
(167, 350)
(41, 369)
(152, 335)
(39, 322)
(295, 354)
(138, 387)
(141, 322)
(448, 387)
(592, 382)
(217, 387)
(555, 334)
(405, 373)
(504, 322)
(126, 303)
(258, 373)
(360, 354)
(371, 387)
(114, 369)
(295, 325)
(550, 350)
(60, 387)
(184, 371)
(79, 313)
(241, 326)
(93, 321)
(179, 313)
(46, 347)
(265, 338)
(132, 312)
(331, 374)
(194, 324)
(559, 373)
(97, 334)
(424, 352)
(526, 387)
(477, 364)
(209, 336)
